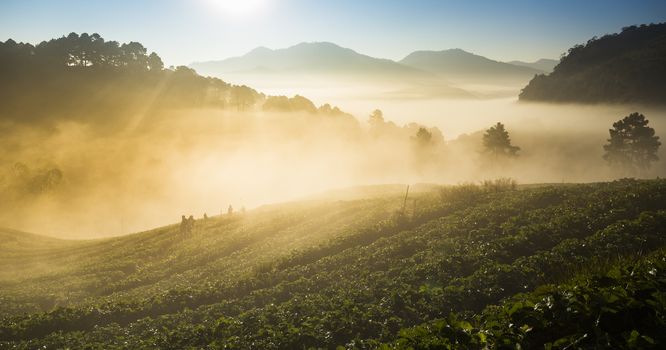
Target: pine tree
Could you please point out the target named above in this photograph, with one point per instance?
(497, 143)
(632, 144)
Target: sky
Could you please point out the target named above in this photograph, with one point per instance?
(185, 31)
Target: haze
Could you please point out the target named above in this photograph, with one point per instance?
(134, 170)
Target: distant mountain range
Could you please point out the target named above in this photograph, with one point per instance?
(434, 71)
(458, 64)
(315, 58)
(545, 64)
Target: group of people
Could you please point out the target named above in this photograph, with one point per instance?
(230, 210)
(187, 224)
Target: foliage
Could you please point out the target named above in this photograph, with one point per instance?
(500, 185)
(286, 104)
(624, 67)
(622, 308)
(632, 143)
(22, 181)
(423, 138)
(67, 74)
(347, 274)
(497, 143)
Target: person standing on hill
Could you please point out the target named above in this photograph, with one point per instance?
(183, 225)
(230, 210)
(190, 224)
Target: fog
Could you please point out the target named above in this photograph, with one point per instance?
(148, 172)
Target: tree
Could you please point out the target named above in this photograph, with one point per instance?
(497, 143)
(632, 144)
(423, 138)
(242, 97)
(379, 127)
(155, 62)
(422, 145)
(134, 55)
(376, 118)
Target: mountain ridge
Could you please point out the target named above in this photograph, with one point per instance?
(544, 64)
(306, 56)
(459, 63)
(327, 57)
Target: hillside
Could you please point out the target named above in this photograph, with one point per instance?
(355, 272)
(627, 67)
(85, 78)
(462, 65)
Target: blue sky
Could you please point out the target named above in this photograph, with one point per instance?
(183, 31)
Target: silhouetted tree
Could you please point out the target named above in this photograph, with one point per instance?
(134, 56)
(377, 117)
(242, 97)
(285, 104)
(423, 137)
(422, 143)
(378, 126)
(497, 143)
(155, 62)
(35, 182)
(632, 144)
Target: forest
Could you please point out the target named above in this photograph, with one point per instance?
(627, 67)
(84, 76)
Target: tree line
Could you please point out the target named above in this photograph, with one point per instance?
(631, 149)
(85, 76)
(84, 50)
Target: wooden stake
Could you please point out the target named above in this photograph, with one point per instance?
(404, 203)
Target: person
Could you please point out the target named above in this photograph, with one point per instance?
(230, 210)
(190, 224)
(183, 225)
(205, 216)
(243, 210)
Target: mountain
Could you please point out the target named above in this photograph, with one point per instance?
(300, 67)
(626, 67)
(482, 266)
(462, 65)
(316, 58)
(545, 65)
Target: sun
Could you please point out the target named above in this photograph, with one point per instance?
(237, 8)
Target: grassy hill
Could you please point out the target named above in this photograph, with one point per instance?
(359, 273)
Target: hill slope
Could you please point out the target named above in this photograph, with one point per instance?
(321, 274)
(617, 68)
(460, 64)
